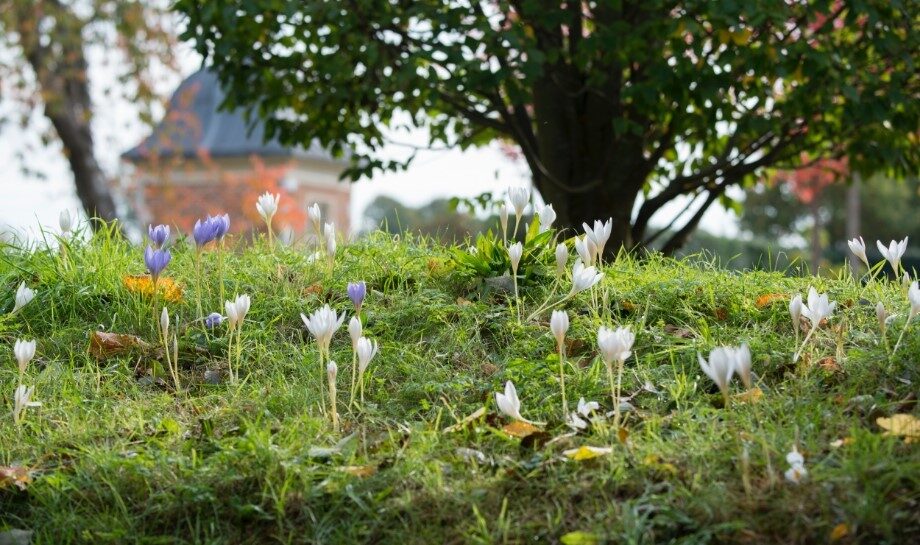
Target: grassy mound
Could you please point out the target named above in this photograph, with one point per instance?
(115, 454)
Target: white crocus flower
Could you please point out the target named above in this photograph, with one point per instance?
(547, 217)
(267, 205)
(355, 330)
(576, 422)
(515, 251)
(913, 295)
(795, 311)
(585, 408)
(893, 253)
(316, 217)
(367, 349)
(742, 356)
(819, 308)
(509, 404)
(858, 247)
(24, 352)
(519, 197)
(323, 324)
(615, 344)
(237, 310)
(559, 325)
(583, 277)
(23, 296)
(562, 258)
(796, 472)
(65, 221)
(586, 249)
(599, 234)
(720, 367)
(164, 322)
(22, 398)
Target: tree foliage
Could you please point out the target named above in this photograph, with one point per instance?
(46, 67)
(608, 100)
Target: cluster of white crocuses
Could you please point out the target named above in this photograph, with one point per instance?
(724, 362)
(322, 324)
(892, 254)
(22, 397)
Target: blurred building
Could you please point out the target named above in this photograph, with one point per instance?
(200, 160)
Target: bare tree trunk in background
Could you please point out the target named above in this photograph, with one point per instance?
(815, 234)
(853, 220)
(61, 74)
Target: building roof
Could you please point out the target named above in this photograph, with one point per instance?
(193, 125)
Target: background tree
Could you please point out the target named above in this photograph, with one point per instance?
(776, 210)
(47, 43)
(607, 100)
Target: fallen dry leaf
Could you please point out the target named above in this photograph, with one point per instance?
(680, 332)
(842, 442)
(360, 471)
(906, 425)
(829, 364)
(654, 462)
(463, 302)
(721, 314)
(628, 306)
(754, 395)
(767, 299)
(586, 452)
(839, 532)
(166, 287)
(313, 289)
(623, 435)
(103, 344)
(17, 476)
(520, 429)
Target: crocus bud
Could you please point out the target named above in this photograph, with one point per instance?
(562, 258)
(519, 197)
(24, 352)
(65, 221)
(267, 205)
(559, 325)
(164, 321)
(367, 349)
(356, 292)
(156, 261)
(354, 331)
(882, 315)
(158, 235)
(515, 251)
(213, 320)
(547, 217)
(24, 295)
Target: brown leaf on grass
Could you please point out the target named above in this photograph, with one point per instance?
(680, 332)
(837, 443)
(143, 284)
(623, 435)
(103, 344)
(721, 314)
(829, 364)
(520, 429)
(313, 289)
(628, 305)
(754, 395)
(574, 346)
(905, 425)
(768, 299)
(839, 532)
(467, 420)
(463, 302)
(488, 369)
(360, 471)
(17, 476)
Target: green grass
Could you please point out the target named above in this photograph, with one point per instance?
(119, 458)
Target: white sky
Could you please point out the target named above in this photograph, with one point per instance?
(28, 201)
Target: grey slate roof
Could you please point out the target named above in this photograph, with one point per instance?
(193, 124)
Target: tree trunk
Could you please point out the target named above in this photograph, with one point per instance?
(61, 72)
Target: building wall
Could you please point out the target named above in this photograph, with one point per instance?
(178, 193)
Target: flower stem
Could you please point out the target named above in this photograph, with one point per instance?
(900, 338)
(795, 357)
(517, 298)
(616, 417)
(220, 271)
(198, 281)
(613, 396)
(230, 353)
(335, 413)
(354, 374)
(565, 406)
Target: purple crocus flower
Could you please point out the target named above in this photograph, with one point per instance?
(205, 231)
(213, 320)
(156, 261)
(356, 292)
(158, 235)
(223, 225)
